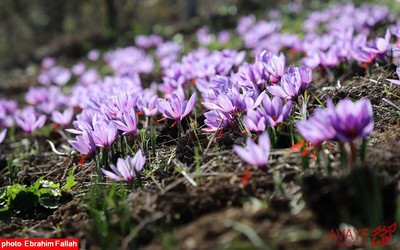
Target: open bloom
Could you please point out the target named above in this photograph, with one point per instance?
(255, 121)
(104, 134)
(293, 83)
(29, 121)
(276, 68)
(353, 120)
(126, 169)
(127, 123)
(275, 110)
(345, 122)
(176, 109)
(62, 118)
(149, 108)
(3, 135)
(256, 155)
(318, 128)
(84, 143)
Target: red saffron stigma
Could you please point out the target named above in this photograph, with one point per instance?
(81, 161)
(297, 146)
(246, 177)
(218, 134)
(305, 152)
(162, 119)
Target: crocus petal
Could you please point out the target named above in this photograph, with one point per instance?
(244, 154)
(190, 104)
(277, 90)
(3, 135)
(111, 175)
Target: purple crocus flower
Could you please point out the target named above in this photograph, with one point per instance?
(29, 121)
(255, 155)
(175, 109)
(127, 123)
(59, 75)
(318, 128)
(223, 37)
(216, 120)
(126, 169)
(275, 111)
(3, 135)
(353, 120)
(104, 134)
(203, 36)
(93, 55)
(84, 143)
(255, 121)
(328, 59)
(149, 108)
(84, 121)
(62, 118)
(292, 84)
(78, 69)
(48, 62)
(276, 68)
(119, 104)
(346, 122)
(146, 42)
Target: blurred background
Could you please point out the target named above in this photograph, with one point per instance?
(33, 29)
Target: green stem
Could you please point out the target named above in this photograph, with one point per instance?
(181, 131)
(352, 153)
(122, 148)
(343, 155)
(363, 151)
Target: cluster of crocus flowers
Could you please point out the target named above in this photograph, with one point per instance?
(255, 154)
(126, 169)
(271, 112)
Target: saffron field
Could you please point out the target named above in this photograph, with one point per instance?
(282, 132)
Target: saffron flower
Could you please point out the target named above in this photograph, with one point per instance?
(3, 135)
(293, 83)
(149, 108)
(318, 128)
(216, 120)
(276, 68)
(275, 111)
(29, 121)
(126, 169)
(176, 109)
(104, 134)
(93, 55)
(353, 120)
(62, 118)
(127, 123)
(255, 155)
(84, 143)
(345, 122)
(255, 121)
